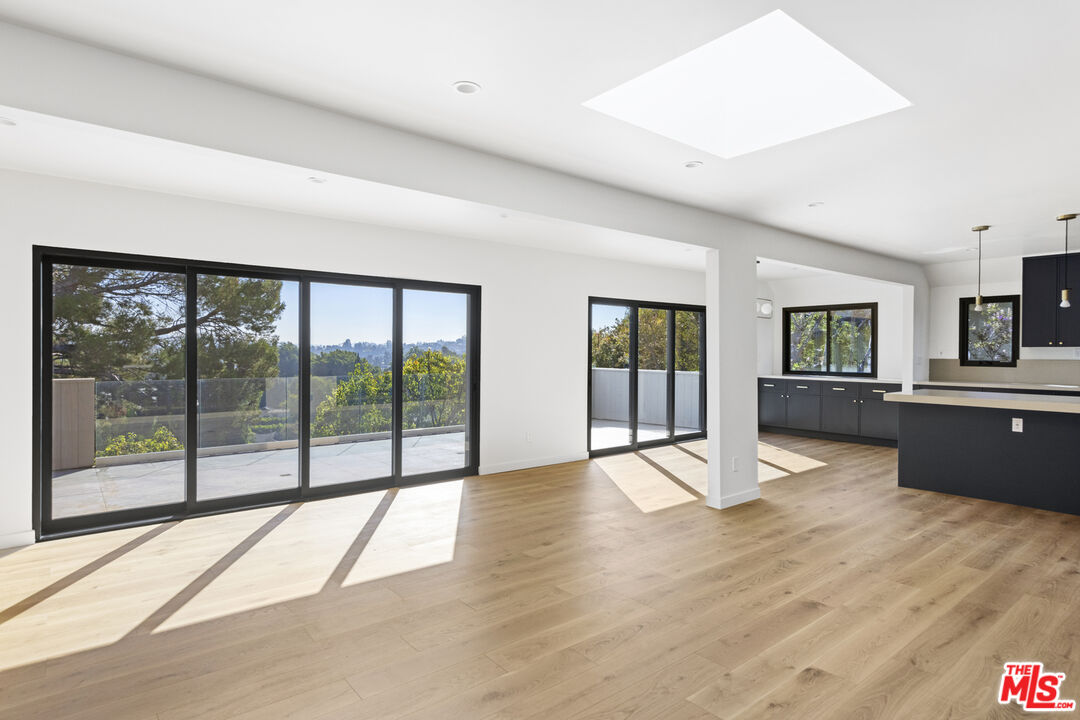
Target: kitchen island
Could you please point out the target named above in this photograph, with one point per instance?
(1018, 448)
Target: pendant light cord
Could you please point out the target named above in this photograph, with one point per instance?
(979, 293)
(1066, 254)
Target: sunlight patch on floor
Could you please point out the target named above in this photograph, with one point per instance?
(83, 615)
(786, 460)
(418, 531)
(687, 468)
(642, 484)
(326, 527)
(766, 472)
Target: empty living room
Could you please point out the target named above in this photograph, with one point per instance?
(539, 360)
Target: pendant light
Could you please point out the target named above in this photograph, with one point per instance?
(978, 293)
(1065, 290)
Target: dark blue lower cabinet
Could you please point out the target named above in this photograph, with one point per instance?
(841, 410)
(772, 409)
(804, 412)
(878, 419)
(840, 415)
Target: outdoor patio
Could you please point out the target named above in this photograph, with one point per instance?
(119, 487)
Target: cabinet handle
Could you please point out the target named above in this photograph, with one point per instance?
(802, 387)
(768, 385)
(840, 389)
(881, 391)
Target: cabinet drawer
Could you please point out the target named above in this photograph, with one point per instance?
(803, 387)
(875, 391)
(771, 386)
(840, 389)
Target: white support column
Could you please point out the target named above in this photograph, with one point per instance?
(908, 364)
(731, 362)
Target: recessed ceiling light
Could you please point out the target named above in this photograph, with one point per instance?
(766, 83)
(316, 179)
(693, 164)
(815, 203)
(7, 121)
(467, 87)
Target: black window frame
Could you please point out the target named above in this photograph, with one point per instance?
(828, 310)
(965, 302)
(46, 527)
(673, 437)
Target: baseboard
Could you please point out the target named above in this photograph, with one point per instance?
(739, 498)
(526, 464)
(17, 539)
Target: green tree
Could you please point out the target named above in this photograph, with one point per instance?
(807, 340)
(433, 394)
(361, 403)
(334, 363)
(990, 332)
(611, 344)
(433, 388)
(288, 360)
(129, 326)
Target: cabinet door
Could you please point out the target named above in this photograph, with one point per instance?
(878, 419)
(840, 415)
(804, 412)
(1068, 319)
(1038, 302)
(772, 409)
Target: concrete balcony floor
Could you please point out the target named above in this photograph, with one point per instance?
(119, 487)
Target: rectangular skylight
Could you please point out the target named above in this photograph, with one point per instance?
(765, 83)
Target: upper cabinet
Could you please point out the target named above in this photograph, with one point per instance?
(1042, 322)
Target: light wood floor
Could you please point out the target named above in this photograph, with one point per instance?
(586, 590)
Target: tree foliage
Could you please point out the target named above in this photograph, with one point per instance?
(611, 344)
(126, 328)
(990, 333)
(847, 335)
(433, 394)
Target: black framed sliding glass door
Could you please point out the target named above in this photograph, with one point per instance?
(167, 388)
(248, 414)
(646, 374)
(434, 381)
(352, 383)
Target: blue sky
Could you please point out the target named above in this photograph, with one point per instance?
(605, 315)
(365, 314)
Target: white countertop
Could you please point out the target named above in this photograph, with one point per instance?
(982, 399)
(1018, 386)
(831, 378)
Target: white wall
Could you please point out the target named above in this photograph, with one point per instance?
(951, 281)
(533, 303)
(837, 289)
(765, 333)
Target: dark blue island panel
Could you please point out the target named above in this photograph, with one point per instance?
(974, 452)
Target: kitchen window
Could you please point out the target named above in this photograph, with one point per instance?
(831, 340)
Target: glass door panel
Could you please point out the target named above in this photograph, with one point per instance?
(609, 425)
(689, 373)
(352, 378)
(652, 375)
(435, 388)
(118, 389)
(248, 330)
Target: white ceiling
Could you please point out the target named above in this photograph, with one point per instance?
(54, 146)
(990, 136)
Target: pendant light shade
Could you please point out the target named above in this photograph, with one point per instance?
(1065, 290)
(978, 292)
